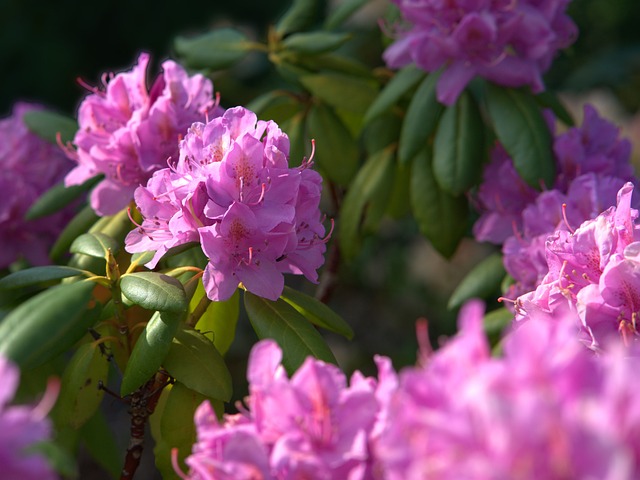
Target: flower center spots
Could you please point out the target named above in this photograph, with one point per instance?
(237, 231)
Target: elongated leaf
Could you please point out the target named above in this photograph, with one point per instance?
(154, 291)
(315, 42)
(338, 15)
(481, 281)
(95, 245)
(335, 62)
(317, 312)
(336, 150)
(150, 350)
(548, 99)
(76, 227)
(115, 226)
(496, 320)
(403, 81)
(341, 91)
(295, 335)
(442, 217)
(37, 275)
(220, 319)
(215, 50)
(79, 393)
(141, 258)
(98, 440)
(421, 119)
(300, 15)
(58, 197)
(374, 175)
(194, 361)
(521, 129)
(48, 324)
(47, 124)
(457, 150)
(381, 132)
(276, 105)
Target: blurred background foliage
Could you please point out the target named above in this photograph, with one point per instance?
(45, 46)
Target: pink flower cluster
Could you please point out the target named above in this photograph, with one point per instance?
(595, 272)
(30, 167)
(232, 191)
(546, 408)
(511, 43)
(21, 428)
(592, 165)
(127, 131)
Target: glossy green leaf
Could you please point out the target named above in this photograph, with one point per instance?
(150, 350)
(95, 245)
(336, 150)
(403, 81)
(217, 49)
(76, 227)
(154, 291)
(457, 150)
(58, 197)
(441, 217)
(483, 280)
(496, 320)
(317, 312)
(341, 12)
(79, 393)
(297, 338)
(421, 119)
(115, 226)
(47, 124)
(220, 319)
(37, 275)
(340, 91)
(48, 324)
(375, 175)
(300, 15)
(315, 42)
(141, 258)
(522, 130)
(194, 361)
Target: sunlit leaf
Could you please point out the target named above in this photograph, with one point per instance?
(217, 49)
(220, 319)
(95, 245)
(37, 275)
(483, 280)
(154, 291)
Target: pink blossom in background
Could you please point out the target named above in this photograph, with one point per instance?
(22, 428)
(128, 131)
(30, 167)
(506, 42)
(232, 191)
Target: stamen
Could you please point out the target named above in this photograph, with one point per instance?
(132, 220)
(566, 221)
(67, 148)
(91, 88)
(49, 399)
(176, 465)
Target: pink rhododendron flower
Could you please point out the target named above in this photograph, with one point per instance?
(30, 167)
(312, 425)
(508, 43)
(594, 271)
(129, 131)
(232, 191)
(593, 163)
(21, 428)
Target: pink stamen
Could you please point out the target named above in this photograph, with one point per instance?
(67, 148)
(176, 465)
(564, 217)
(49, 399)
(91, 88)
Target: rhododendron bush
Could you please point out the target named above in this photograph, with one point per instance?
(164, 229)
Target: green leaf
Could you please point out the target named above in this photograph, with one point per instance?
(335, 62)
(297, 338)
(338, 15)
(403, 81)
(315, 42)
(154, 291)
(441, 217)
(496, 320)
(548, 99)
(483, 280)
(220, 318)
(381, 132)
(58, 197)
(150, 350)
(300, 15)
(194, 361)
(215, 50)
(341, 91)
(115, 226)
(47, 125)
(95, 245)
(76, 227)
(317, 312)
(457, 149)
(98, 440)
(374, 176)
(140, 258)
(421, 119)
(48, 324)
(276, 105)
(80, 396)
(399, 204)
(36, 275)
(295, 128)
(336, 150)
(520, 127)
